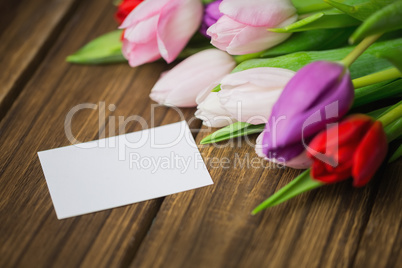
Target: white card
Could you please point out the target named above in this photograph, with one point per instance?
(122, 170)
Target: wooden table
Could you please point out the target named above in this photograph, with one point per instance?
(208, 227)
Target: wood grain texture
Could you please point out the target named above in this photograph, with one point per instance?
(212, 227)
(381, 243)
(335, 226)
(27, 29)
(30, 233)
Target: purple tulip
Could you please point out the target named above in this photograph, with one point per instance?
(211, 15)
(319, 94)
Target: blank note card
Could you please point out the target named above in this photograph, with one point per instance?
(122, 170)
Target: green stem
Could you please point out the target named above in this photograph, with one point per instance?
(312, 8)
(392, 115)
(359, 49)
(375, 78)
(241, 58)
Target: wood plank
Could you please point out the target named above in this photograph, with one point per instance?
(381, 243)
(27, 29)
(30, 233)
(212, 226)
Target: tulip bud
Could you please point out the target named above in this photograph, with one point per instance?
(319, 94)
(243, 28)
(157, 29)
(246, 96)
(211, 15)
(181, 85)
(356, 148)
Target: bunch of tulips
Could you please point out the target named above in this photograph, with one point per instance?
(278, 67)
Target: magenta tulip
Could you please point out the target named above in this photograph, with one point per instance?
(319, 94)
(243, 28)
(157, 29)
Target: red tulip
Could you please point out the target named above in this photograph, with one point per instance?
(124, 8)
(355, 148)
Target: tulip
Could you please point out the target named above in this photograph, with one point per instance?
(157, 29)
(299, 162)
(243, 28)
(211, 15)
(319, 94)
(181, 85)
(246, 96)
(124, 8)
(356, 148)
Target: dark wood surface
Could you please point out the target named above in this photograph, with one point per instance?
(335, 226)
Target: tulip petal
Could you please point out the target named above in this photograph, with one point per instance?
(265, 77)
(253, 39)
(250, 95)
(143, 11)
(177, 24)
(320, 173)
(348, 132)
(143, 31)
(181, 85)
(223, 32)
(369, 155)
(138, 54)
(299, 162)
(211, 112)
(249, 103)
(267, 13)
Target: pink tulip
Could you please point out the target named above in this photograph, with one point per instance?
(299, 162)
(181, 85)
(161, 28)
(246, 96)
(243, 28)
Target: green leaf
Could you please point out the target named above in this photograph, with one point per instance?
(366, 64)
(383, 90)
(393, 56)
(217, 88)
(232, 131)
(360, 11)
(321, 20)
(311, 40)
(384, 20)
(303, 183)
(394, 130)
(309, 6)
(104, 49)
(391, 115)
(396, 154)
